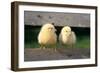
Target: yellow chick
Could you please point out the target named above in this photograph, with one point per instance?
(67, 36)
(47, 35)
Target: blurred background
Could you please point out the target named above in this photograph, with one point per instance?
(80, 24)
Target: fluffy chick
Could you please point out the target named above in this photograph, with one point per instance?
(67, 36)
(47, 35)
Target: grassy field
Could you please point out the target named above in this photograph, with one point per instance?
(83, 39)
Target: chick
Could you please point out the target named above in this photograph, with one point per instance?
(67, 36)
(47, 35)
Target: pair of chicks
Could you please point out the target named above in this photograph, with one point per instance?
(47, 36)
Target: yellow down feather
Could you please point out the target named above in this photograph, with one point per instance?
(47, 35)
(67, 36)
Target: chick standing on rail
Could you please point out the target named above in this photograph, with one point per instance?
(67, 36)
(47, 35)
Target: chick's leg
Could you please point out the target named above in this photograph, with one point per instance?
(72, 47)
(42, 47)
(55, 48)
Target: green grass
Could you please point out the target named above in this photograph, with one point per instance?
(32, 45)
(83, 42)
